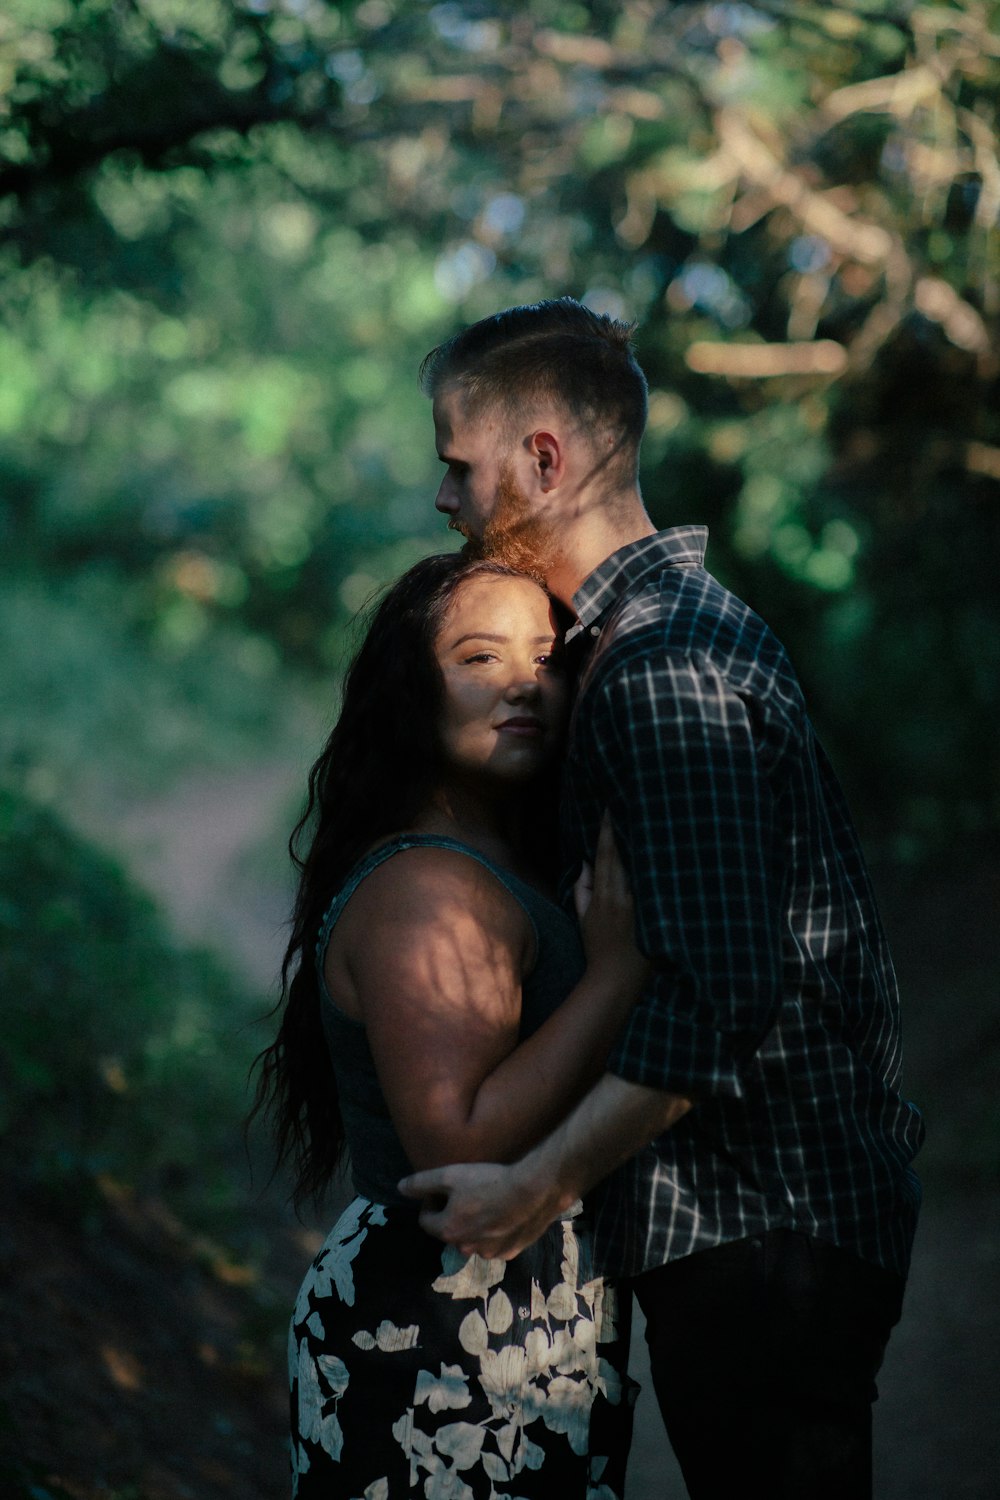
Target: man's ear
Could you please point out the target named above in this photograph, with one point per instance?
(549, 457)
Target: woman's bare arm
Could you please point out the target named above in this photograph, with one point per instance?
(435, 949)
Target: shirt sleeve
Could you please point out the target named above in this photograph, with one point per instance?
(690, 798)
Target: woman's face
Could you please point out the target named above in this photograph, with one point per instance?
(505, 695)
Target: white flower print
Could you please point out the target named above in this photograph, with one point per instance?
(333, 1266)
(495, 1467)
(461, 1442)
(388, 1338)
(300, 1465)
(571, 1256)
(310, 1399)
(445, 1484)
(334, 1372)
(499, 1313)
(538, 1351)
(590, 1293)
(502, 1377)
(606, 1314)
(402, 1429)
(567, 1354)
(406, 1437)
(301, 1312)
(473, 1334)
(529, 1455)
(506, 1438)
(448, 1391)
(421, 1449)
(467, 1275)
(567, 1410)
(522, 1356)
(561, 1302)
(319, 1380)
(393, 1340)
(532, 1402)
(585, 1337)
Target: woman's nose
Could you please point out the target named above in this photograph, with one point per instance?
(522, 685)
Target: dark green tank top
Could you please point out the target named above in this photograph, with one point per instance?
(377, 1156)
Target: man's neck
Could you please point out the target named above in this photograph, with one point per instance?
(589, 538)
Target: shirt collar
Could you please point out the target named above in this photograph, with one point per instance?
(630, 566)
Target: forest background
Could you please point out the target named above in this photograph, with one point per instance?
(229, 233)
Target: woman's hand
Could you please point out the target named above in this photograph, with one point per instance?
(606, 912)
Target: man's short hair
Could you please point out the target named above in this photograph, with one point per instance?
(557, 349)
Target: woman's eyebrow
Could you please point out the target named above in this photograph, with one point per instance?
(499, 640)
(480, 635)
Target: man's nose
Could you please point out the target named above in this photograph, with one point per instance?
(446, 501)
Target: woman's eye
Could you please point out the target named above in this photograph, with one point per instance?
(479, 656)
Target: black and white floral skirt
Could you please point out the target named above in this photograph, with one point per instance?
(419, 1371)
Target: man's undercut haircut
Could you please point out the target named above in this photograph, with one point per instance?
(558, 350)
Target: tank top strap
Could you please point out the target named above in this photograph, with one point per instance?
(524, 894)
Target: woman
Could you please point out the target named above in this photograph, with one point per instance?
(451, 995)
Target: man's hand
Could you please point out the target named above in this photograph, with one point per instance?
(489, 1210)
(498, 1211)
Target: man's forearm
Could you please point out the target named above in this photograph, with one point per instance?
(611, 1123)
(498, 1210)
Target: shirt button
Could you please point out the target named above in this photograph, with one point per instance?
(595, 629)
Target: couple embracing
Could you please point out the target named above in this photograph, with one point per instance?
(587, 975)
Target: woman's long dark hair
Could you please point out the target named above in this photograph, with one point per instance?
(376, 772)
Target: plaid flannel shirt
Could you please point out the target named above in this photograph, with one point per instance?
(772, 1001)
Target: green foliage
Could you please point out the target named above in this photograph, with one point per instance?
(209, 463)
(85, 705)
(123, 1055)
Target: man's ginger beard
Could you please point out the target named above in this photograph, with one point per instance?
(514, 535)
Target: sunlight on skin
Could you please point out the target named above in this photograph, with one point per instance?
(433, 930)
(432, 948)
(505, 702)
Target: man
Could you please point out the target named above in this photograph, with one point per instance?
(765, 1204)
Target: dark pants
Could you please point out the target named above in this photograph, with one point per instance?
(764, 1354)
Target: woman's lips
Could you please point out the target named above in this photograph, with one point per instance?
(529, 728)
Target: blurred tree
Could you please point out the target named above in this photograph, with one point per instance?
(232, 230)
(125, 1057)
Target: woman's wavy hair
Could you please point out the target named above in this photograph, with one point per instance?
(376, 771)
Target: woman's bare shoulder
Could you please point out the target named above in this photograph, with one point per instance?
(430, 886)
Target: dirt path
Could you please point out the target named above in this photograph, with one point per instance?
(129, 1363)
(936, 1434)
